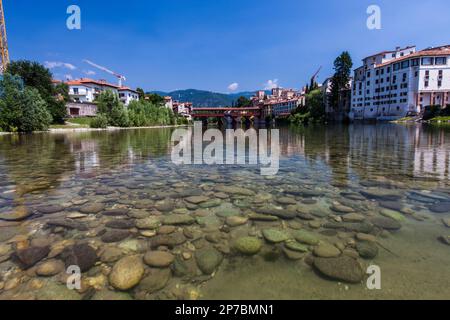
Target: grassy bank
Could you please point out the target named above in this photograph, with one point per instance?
(440, 120)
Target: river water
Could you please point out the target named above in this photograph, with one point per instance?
(345, 198)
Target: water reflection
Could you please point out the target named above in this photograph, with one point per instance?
(41, 161)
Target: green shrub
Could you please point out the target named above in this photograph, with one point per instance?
(99, 122)
(21, 110)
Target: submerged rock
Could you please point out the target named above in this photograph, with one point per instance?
(112, 236)
(178, 219)
(81, 255)
(235, 190)
(150, 223)
(248, 245)
(116, 212)
(386, 223)
(67, 224)
(326, 250)
(158, 259)
(127, 273)
(170, 240)
(275, 235)
(446, 222)
(19, 214)
(208, 260)
(342, 268)
(30, 256)
(367, 250)
(442, 207)
(50, 209)
(155, 280)
(384, 195)
(92, 208)
(236, 221)
(50, 268)
(305, 237)
(120, 224)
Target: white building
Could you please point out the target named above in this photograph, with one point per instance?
(391, 84)
(127, 95)
(87, 90)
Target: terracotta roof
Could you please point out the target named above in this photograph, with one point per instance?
(84, 81)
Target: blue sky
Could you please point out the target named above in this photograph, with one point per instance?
(205, 44)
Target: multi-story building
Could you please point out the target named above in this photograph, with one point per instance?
(279, 104)
(393, 84)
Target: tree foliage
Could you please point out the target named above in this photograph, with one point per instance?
(21, 109)
(340, 81)
(314, 110)
(243, 102)
(36, 76)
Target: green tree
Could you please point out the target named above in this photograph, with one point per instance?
(109, 105)
(243, 102)
(155, 99)
(21, 110)
(37, 76)
(340, 81)
(141, 93)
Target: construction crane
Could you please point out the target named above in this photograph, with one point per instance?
(313, 79)
(115, 74)
(3, 41)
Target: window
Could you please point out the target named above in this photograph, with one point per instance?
(396, 66)
(368, 74)
(427, 83)
(75, 90)
(377, 72)
(388, 69)
(439, 83)
(416, 74)
(441, 61)
(405, 64)
(427, 61)
(415, 62)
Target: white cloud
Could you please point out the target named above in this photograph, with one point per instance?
(271, 84)
(89, 72)
(59, 64)
(233, 87)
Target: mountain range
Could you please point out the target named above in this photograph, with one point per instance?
(202, 98)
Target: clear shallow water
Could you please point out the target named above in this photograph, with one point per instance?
(334, 182)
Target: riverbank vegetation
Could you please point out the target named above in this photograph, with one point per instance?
(29, 101)
(141, 113)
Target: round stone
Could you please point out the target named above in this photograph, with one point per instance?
(158, 259)
(92, 208)
(248, 245)
(236, 221)
(326, 250)
(127, 273)
(367, 250)
(305, 237)
(275, 235)
(342, 268)
(150, 223)
(19, 214)
(50, 268)
(208, 260)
